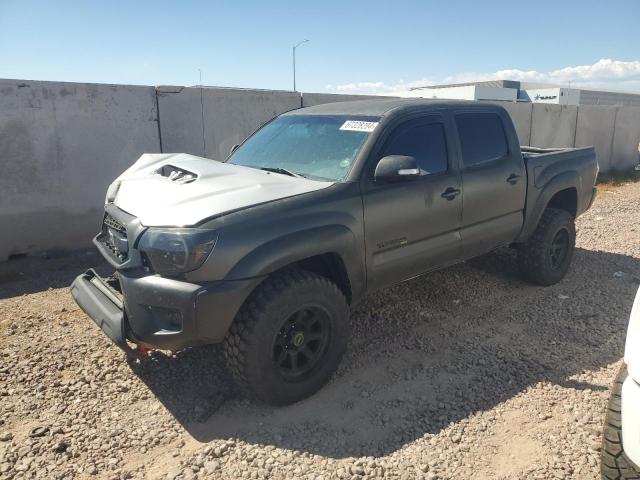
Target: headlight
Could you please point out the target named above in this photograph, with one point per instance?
(176, 250)
(112, 192)
(632, 350)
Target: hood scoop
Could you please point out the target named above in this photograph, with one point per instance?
(176, 174)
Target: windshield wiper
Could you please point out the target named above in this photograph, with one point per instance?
(281, 171)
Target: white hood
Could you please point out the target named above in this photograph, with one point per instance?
(159, 200)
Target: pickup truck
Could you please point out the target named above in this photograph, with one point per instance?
(267, 251)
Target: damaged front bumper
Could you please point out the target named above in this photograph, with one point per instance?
(104, 305)
(156, 312)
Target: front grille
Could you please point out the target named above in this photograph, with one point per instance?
(114, 237)
(111, 222)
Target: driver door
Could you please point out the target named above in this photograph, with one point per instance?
(413, 226)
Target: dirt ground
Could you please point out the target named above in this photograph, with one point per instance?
(468, 373)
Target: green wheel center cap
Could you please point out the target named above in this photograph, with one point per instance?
(298, 339)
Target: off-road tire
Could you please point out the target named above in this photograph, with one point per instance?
(534, 259)
(248, 347)
(614, 462)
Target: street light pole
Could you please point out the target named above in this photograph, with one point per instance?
(294, 61)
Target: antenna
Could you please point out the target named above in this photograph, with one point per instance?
(204, 141)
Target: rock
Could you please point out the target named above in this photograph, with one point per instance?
(356, 470)
(173, 473)
(62, 446)
(6, 436)
(221, 450)
(210, 466)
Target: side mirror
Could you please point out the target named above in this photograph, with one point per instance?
(234, 148)
(396, 168)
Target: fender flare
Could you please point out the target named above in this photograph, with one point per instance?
(297, 246)
(556, 184)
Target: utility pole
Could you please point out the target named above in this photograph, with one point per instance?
(294, 61)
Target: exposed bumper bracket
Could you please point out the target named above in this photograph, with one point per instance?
(98, 301)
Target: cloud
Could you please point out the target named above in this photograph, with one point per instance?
(379, 88)
(605, 73)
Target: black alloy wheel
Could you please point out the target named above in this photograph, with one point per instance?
(301, 342)
(288, 338)
(544, 258)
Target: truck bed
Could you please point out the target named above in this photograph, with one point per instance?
(545, 163)
(531, 152)
(556, 169)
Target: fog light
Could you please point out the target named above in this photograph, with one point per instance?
(165, 319)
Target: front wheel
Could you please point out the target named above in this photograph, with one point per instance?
(289, 337)
(544, 259)
(615, 465)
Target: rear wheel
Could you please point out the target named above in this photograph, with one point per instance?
(289, 337)
(544, 259)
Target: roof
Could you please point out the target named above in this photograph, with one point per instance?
(376, 107)
(489, 83)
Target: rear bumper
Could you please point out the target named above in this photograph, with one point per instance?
(631, 419)
(158, 312)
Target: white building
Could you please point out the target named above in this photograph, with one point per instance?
(514, 91)
(465, 92)
(557, 95)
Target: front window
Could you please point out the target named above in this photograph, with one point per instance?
(423, 141)
(318, 147)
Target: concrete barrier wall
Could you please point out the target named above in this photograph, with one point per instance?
(595, 127)
(553, 125)
(626, 137)
(311, 99)
(230, 115)
(61, 144)
(520, 114)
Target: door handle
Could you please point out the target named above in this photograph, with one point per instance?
(513, 178)
(450, 193)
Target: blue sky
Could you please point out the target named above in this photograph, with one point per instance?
(355, 46)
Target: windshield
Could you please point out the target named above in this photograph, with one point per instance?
(319, 147)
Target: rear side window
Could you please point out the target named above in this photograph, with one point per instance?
(425, 142)
(482, 137)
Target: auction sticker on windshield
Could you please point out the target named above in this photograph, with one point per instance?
(358, 126)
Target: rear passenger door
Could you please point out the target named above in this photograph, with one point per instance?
(493, 181)
(412, 226)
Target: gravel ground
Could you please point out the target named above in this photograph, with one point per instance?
(465, 373)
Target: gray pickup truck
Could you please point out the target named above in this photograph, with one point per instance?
(268, 250)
